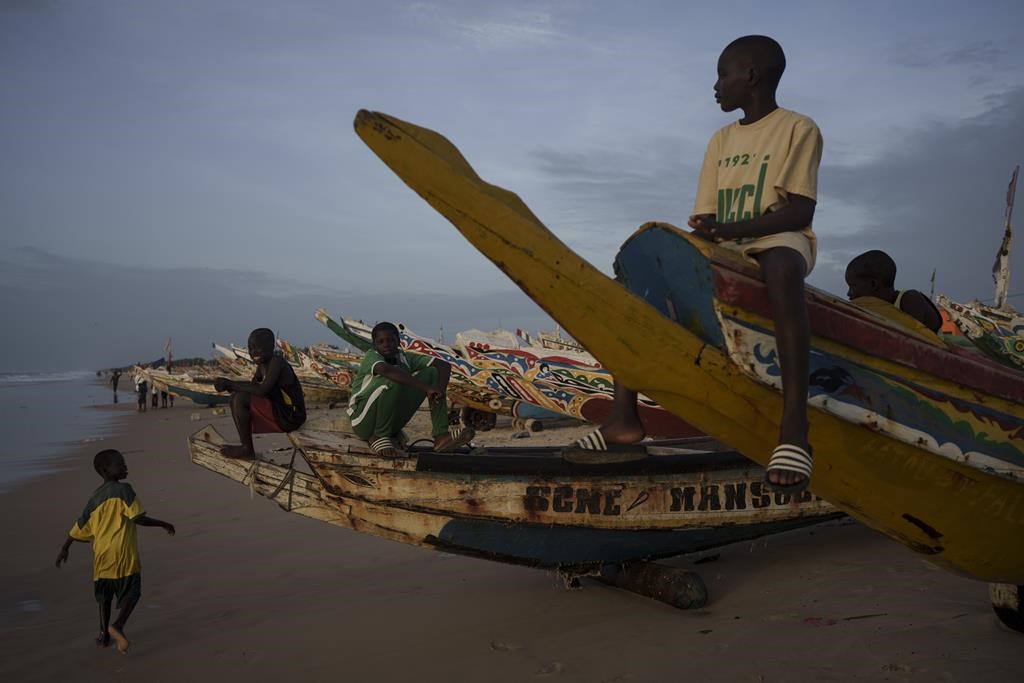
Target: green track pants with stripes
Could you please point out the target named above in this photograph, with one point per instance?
(392, 409)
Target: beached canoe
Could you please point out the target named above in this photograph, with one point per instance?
(526, 505)
(997, 332)
(199, 390)
(922, 442)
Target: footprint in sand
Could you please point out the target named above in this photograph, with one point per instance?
(550, 669)
(502, 646)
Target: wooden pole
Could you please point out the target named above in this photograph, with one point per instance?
(674, 586)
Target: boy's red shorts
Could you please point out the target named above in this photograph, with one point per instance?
(261, 411)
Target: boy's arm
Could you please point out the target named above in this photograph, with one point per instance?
(396, 374)
(143, 520)
(62, 556)
(257, 388)
(797, 214)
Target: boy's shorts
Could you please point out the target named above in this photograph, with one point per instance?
(797, 241)
(125, 588)
(261, 411)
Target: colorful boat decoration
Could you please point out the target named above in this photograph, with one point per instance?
(526, 506)
(465, 389)
(316, 387)
(920, 441)
(998, 333)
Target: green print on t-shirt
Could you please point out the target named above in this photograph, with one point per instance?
(732, 201)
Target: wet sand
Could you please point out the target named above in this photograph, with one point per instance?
(247, 592)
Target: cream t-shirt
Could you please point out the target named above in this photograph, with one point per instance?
(751, 170)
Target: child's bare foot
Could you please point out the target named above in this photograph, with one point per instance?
(103, 640)
(237, 452)
(119, 638)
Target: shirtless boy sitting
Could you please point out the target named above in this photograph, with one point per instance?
(271, 402)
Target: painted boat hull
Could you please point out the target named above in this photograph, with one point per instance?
(962, 517)
(999, 333)
(337, 494)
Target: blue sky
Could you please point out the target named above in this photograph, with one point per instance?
(188, 169)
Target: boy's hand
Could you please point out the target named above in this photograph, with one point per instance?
(62, 557)
(434, 395)
(708, 228)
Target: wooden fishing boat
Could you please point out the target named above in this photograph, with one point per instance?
(198, 389)
(526, 506)
(554, 382)
(997, 332)
(316, 387)
(922, 442)
(577, 390)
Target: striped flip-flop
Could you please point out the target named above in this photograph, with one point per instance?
(460, 436)
(789, 458)
(592, 449)
(378, 446)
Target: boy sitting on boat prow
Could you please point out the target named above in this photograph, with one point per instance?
(872, 275)
(272, 402)
(388, 389)
(756, 195)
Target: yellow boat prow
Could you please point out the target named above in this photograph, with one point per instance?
(964, 519)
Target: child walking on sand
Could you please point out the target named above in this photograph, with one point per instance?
(109, 521)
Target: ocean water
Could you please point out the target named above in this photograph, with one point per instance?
(45, 414)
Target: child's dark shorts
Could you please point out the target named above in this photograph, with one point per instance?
(125, 588)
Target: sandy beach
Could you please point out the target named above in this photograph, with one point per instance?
(247, 592)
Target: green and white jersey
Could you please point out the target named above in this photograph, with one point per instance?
(367, 386)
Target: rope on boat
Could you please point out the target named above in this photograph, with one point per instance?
(252, 473)
(288, 479)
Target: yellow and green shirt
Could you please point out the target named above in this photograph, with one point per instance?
(751, 170)
(108, 521)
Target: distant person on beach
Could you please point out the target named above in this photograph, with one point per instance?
(156, 396)
(109, 520)
(115, 376)
(872, 277)
(271, 402)
(388, 389)
(756, 195)
(163, 398)
(142, 389)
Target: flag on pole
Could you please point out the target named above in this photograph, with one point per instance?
(167, 351)
(1001, 268)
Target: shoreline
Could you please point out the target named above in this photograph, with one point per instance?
(248, 591)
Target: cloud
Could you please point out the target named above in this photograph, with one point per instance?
(77, 314)
(601, 195)
(934, 200)
(505, 28)
(982, 53)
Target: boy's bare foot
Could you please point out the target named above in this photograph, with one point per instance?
(119, 638)
(237, 452)
(622, 432)
(103, 640)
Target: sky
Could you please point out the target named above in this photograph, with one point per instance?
(187, 169)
